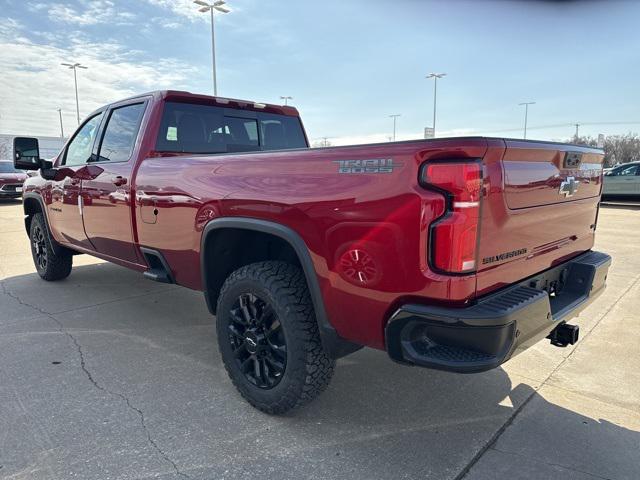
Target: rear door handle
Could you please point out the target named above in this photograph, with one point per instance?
(119, 181)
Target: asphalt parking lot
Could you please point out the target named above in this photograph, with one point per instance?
(108, 375)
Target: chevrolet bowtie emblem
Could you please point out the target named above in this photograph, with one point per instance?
(568, 187)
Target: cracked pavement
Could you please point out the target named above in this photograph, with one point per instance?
(107, 375)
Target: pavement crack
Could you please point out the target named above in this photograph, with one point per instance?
(89, 375)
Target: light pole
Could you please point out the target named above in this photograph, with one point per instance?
(526, 115)
(394, 116)
(219, 6)
(285, 99)
(74, 67)
(435, 77)
(577, 125)
(61, 128)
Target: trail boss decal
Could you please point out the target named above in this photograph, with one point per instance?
(370, 165)
(504, 256)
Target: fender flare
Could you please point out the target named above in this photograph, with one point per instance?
(55, 246)
(334, 345)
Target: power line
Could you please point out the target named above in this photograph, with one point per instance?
(559, 125)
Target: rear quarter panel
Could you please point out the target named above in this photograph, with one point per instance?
(366, 232)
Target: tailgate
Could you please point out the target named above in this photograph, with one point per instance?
(536, 174)
(540, 209)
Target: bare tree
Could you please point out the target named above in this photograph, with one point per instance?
(617, 148)
(322, 143)
(622, 148)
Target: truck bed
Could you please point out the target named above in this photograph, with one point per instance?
(365, 217)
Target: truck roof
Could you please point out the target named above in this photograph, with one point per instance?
(188, 97)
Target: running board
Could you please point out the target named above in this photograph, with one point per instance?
(158, 270)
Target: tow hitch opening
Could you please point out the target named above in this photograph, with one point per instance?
(564, 334)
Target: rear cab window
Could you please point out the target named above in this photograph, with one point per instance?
(190, 128)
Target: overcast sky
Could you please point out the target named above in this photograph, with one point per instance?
(348, 64)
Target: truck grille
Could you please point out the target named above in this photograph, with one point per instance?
(10, 187)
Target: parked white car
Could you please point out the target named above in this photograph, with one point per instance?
(622, 180)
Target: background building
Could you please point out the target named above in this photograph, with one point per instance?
(49, 146)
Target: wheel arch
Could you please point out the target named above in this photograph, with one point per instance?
(32, 203)
(212, 280)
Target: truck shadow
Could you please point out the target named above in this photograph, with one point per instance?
(156, 345)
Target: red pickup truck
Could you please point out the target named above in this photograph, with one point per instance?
(454, 254)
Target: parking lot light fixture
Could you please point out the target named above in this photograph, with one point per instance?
(206, 7)
(74, 67)
(395, 117)
(61, 127)
(285, 98)
(526, 115)
(435, 77)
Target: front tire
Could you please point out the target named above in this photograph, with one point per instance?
(51, 266)
(268, 337)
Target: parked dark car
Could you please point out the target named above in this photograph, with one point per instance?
(11, 180)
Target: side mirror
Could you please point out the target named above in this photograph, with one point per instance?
(26, 153)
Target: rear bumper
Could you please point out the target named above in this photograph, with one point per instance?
(485, 335)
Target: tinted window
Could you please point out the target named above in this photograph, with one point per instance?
(204, 129)
(79, 150)
(280, 132)
(120, 133)
(6, 167)
(626, 171)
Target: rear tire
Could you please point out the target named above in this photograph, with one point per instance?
(51, 266)
(268, 337)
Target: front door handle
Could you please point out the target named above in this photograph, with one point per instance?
(119, 180)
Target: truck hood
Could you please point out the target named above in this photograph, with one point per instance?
(12, 177)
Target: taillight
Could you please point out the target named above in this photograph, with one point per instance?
(454, 236)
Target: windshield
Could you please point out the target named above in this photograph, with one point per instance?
(7, 167)
(191, 128)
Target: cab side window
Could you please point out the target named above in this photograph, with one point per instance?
(79, 150)
(121, 133)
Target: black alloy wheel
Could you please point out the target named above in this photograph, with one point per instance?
(258, 341)
(39, 246)
(268, 337)
(51, 264)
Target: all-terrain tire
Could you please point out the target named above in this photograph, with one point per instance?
(308, 369)
(51, 266)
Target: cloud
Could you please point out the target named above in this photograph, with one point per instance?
(186, 9)
(183, 8)
(9, 26)
(166, 23)
(90, 13)
(33, 84)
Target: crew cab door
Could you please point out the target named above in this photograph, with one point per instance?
(65, 209)
(107, 207)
